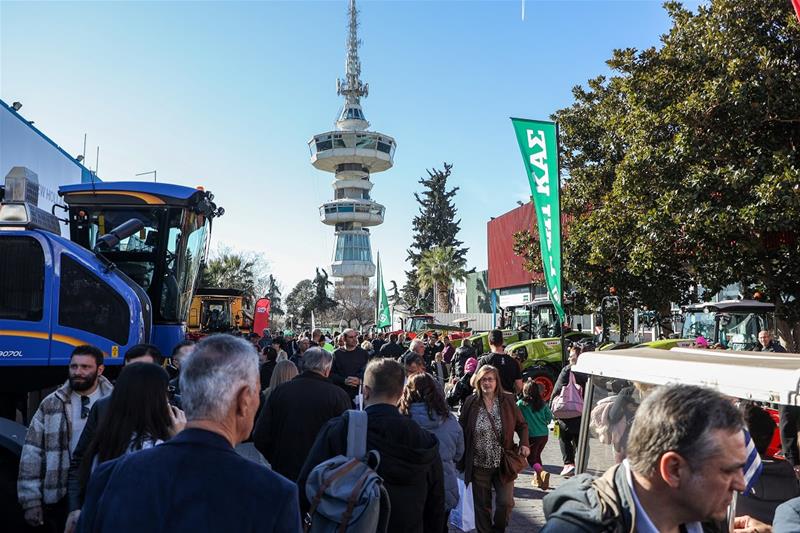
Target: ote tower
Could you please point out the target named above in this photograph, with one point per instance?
(353, 154)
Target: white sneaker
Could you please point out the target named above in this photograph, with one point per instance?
(567, 470)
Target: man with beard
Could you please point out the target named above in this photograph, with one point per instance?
(52, 436)
(139, 353)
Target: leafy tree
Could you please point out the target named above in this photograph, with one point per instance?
(684, 168)
(230, 269)
(434, 226)
(438, 267)
(300, 301)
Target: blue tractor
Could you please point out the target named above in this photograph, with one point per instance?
(125, 275)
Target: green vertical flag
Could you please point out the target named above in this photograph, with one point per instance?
(383, 318)
(538, 142)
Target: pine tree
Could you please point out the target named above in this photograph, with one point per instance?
(434, 226)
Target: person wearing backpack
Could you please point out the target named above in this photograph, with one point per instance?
(409, 461)
(537, 414)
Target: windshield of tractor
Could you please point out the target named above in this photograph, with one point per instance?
(520, 317)
(216, 315)
(163, 257)
(135, 255)
(739, 331)
(418, 323)
(545, 321)
(186, 246)
(734, 330)
(698, 324)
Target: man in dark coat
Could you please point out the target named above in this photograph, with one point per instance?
(463, 352)
(349, 363)
(410, 465)
(391, 349)
(196, 481)
(296, 411)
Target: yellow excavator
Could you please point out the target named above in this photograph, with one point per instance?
(217, 310)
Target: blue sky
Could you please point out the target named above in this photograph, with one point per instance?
(227, 94)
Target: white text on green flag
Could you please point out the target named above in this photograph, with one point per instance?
(538, 142)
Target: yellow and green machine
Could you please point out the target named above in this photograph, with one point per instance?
(533, 338)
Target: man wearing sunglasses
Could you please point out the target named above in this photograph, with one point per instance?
(52, 436)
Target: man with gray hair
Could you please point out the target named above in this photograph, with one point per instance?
(295, 412)
(686, 454)
(196, 481)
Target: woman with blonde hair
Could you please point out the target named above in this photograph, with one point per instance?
(489, 418)
(284, 371)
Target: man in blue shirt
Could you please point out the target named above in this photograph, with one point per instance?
(196, 481)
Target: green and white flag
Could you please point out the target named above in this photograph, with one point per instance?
(383, 316)
(538, 142)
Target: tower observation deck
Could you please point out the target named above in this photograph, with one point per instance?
(353, 154)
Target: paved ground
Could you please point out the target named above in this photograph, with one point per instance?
(528, 516)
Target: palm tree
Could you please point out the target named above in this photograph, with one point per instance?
(437, 270)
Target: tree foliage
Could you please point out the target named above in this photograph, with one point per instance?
(231, 269)
(300, 301)
(683, 167)
(438, 267)
(434, 226)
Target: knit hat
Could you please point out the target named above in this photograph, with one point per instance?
(470, 365)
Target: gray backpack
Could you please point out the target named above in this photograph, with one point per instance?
(346, 494)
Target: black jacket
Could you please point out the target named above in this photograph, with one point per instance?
(391, 349)
(409, 465)
(462, 354)
(774, 346)
(292, 417)
(377, 344)
(460, 391)
(265, 371)
(346, 364)
(194, 482)
(74, 493)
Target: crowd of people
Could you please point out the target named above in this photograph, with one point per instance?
(163, 447)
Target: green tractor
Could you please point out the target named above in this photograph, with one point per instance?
(539, 352)
(520, 322)
(732, 324)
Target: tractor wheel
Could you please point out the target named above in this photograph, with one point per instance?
(544, 378)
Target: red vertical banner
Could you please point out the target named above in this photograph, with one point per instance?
(796, 4)
(261, 316)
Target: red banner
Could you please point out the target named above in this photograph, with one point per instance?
(261, 316)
